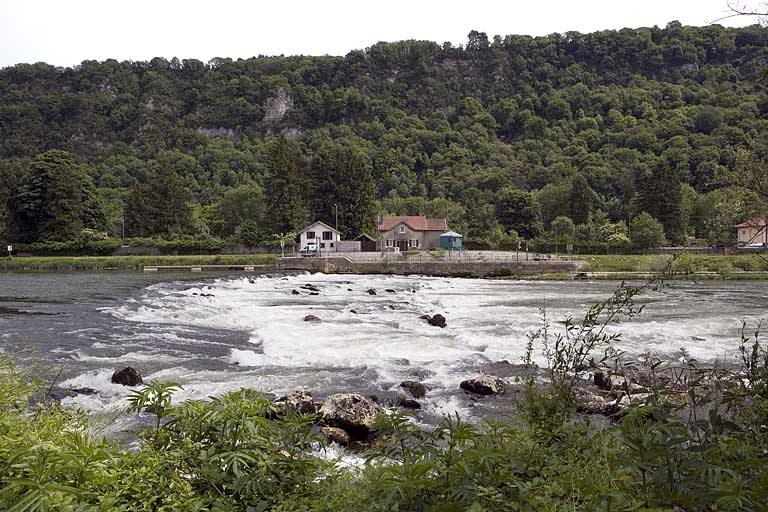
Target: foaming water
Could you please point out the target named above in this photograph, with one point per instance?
(220, 334)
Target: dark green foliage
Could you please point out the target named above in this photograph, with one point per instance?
(519, 211)
(436, 122)
(159, 204)
(661, 197)
(286, 187)
(646, 232)
(55, 200)
(344, 185)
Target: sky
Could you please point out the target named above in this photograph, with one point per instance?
(66, 32)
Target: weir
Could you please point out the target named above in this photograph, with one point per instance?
(201, 268)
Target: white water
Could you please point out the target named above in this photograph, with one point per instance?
(385, 341)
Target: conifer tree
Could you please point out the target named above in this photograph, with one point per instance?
(661, 197)
(56, 200)
(285, 187)
(580, 200)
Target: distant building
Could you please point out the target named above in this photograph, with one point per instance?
(367, 243)
(324, 236)
(752, 233)
(450, 240)
(411, 232)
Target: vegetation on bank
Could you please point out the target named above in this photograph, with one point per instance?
(696, 441)
(125, 263)
(680, 265)
(572, 136)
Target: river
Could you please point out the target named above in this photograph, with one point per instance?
(217, 333)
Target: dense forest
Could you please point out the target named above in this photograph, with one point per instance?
(587, 137)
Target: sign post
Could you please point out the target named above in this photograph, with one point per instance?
(570, 250)
(10, 250)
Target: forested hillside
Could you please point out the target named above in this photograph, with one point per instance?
(570, 134)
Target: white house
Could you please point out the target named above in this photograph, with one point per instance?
(322, 234)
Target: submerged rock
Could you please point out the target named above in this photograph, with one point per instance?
(310, 287)
(484, 385)
(312, 318)
(407, 403)
(127, 377)
(416, 389)
(371, 291)
(58, 394)
(295, 292)
(390, 290)
(353, 413)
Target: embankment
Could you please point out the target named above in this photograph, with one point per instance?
(477, 269)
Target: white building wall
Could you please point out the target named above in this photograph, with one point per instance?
(316, 233)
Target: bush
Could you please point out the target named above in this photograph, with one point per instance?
(646, 232)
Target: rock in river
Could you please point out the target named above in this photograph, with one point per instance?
(353, 413)
(484, 385)
(416, 389)
(437, 320)
(127, 377)
(312, 318)
(298, 401)
(336, 435)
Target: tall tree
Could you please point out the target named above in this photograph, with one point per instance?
(520, 211)
(345, 187)
(661, 197)
(56, 200)
(580, 199)
(160, 204)
(286, 187)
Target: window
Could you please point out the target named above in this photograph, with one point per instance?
(327, 235)
(402, 229)
(331, 245)
(414, 242)
(311, 235)
(389, 243)
(322, 245)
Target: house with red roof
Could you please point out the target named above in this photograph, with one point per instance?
(411, 232)
(752, 233)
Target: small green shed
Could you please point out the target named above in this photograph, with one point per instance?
(450, 240)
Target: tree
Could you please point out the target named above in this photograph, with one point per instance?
(160, 204)
(345, 188)
(646, 232)
(286, 188)
(56, 200)
(519, 210)
(661, 197)
(563, 229)
(580, 199)
(240, 205)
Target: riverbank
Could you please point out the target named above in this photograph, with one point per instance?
(124, 263)
(697, 267)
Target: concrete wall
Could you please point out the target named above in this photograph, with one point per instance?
(455, 269)
(348, 246)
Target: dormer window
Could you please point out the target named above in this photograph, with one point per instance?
(402, 229)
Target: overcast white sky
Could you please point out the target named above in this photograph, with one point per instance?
(66, 32)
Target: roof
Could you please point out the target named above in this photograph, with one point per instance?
(753, 223)
(451, 234)
(322, 224)
(364, 235)
(416, 223)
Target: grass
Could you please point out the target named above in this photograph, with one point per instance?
(722, 264)
(124, 263)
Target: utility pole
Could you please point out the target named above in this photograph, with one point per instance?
(336, 207)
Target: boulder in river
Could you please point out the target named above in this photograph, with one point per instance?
(336, 435)
(58, 394)
(371, 291)
(416, 389)
(437, 320)
(295, 292)
(312, 318)
(298, 401)
(484, 385)
(390, 290)
(353, 413)
(310, 287)
(407, 403)
(127, 377)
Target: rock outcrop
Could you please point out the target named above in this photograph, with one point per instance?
(127, 377)
(298, 401)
